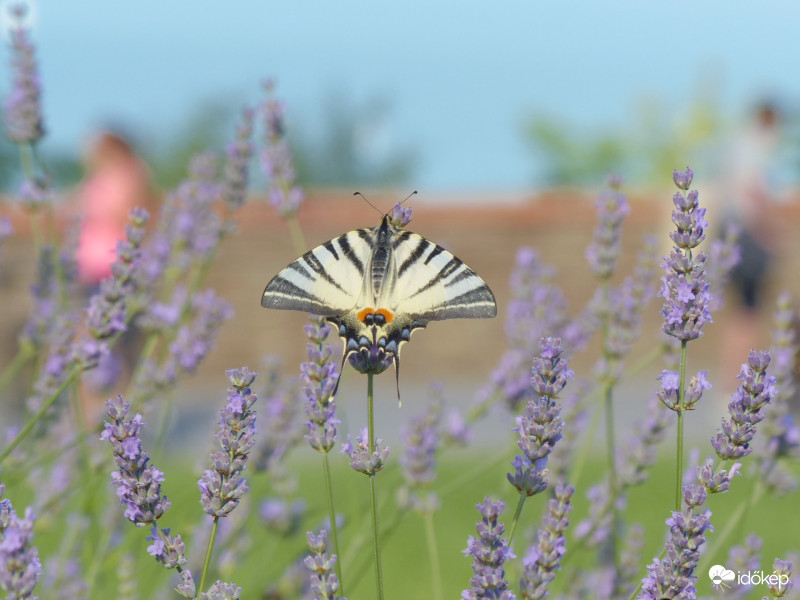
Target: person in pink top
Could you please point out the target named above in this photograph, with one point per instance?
(116, 181)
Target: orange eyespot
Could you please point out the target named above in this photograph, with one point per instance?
(362, 314)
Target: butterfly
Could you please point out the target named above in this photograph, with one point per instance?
(377, 286)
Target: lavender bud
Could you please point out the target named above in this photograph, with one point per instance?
(22, 109)
(683, 179)
(360, 458)
(489, 552)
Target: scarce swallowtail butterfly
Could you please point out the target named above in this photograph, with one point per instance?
(377, 285)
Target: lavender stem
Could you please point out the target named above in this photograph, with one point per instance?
(433, 555)
(209, 550)
(332, 517)
(376, 546)
(299, 242)
(608, 392)
(681, 399)
(26, 430)
(515, 520)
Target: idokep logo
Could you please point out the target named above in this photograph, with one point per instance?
(724, 578)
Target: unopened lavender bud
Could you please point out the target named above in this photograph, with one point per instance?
(683, 179)
(400, 216)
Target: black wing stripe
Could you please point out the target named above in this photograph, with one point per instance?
(348, 252)
(414, 257)
(401, 237)
(464, 274)
(315, 265)
(331, 248)
(297, 268)
(434, 253)
(283, 288)
(446, 271)
(480, 295)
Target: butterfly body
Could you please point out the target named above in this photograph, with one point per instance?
(378, 285)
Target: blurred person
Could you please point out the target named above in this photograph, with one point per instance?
(116, 180)
(747, 203)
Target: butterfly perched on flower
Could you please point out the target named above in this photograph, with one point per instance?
(378, 285)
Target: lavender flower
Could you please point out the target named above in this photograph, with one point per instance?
(783, 570)
(629, 560)
(320, 377)
(544, 558)
(421, 441)
(489, 552)
(612, 208)
(324, 583)
(222, 487)
(138, 483)
(540, 427)
(673, 576)
(732, 440)
(222, 591)
(282, 517)
(58, 362)
(186, 588)
(360, 458)
(537, 309)
(35, 193)
(20, 567)
(685, 286)
(670, 385)
(235, 172)
(22, 109)
(723, 255)
(167, 549)
(276, 158)
(744, 558)
(400, 216)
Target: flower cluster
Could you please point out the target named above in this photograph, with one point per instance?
(222, 487)
(783, 569)
(540, 427)
(673, 576)
(544, 557)
(276, 158)
(235, 172)
(669, 391)
(400, 217)
(489, 552)
(222, 591)
(421, 441)
(138, 483)
(22, 108)
(685, 286)
(320, 378)
(20, 567)
(361, 459)
(757, 389)
(603, 251)
(324, 583)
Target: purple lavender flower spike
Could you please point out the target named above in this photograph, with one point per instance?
(673, 576)
(489, 552)
(276, 158)
(757, 389)
(783, 570)
(744, 558)
(222, 591)
(20, 567)
(544, 557)
(167, 549)
(320, 377)
(540, 426)
(22, 110)
(683, 179)
(138, 483)
(401, 216)
(360, 458)
(685, 287)
(222, 486)
(602, 253)
(420, 442)
(235, 172)
(324, 583)
(186, 588)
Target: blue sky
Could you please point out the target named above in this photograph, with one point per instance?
(461, 77)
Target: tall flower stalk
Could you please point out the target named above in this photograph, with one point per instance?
(686, 302)
(320, 375)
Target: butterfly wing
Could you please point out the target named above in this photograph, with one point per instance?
(327, 280)
(432, 285)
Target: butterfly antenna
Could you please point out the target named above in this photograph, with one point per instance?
(407, 197)
(364, 198)
(397, 379)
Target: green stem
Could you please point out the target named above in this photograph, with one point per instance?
(332, 516)
(163, 425)
(14, 367)
(433, 555)
(26, 430)
(681, 401)
(515, 520)
(376, 546)
(612, 471)
(209, 550)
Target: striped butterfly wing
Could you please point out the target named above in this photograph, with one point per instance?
(325, 281)
(431, 284)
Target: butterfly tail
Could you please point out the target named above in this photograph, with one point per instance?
(397, 378)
